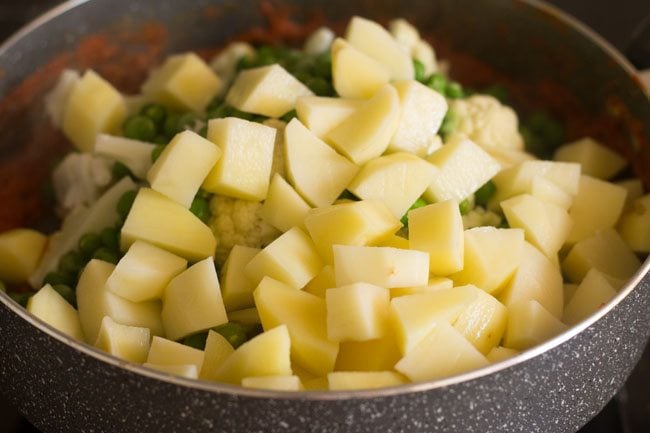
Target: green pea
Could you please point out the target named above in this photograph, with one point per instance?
(246, 62)
(155, 153)
(125, 202)
(437, 82)
(303, 76)
(106, 255)
(196, 341)
(288, 116)
(234, 332)
(220, 112)
(119, 170)
(320, 86)
(347, 195)
(88, 243)
(484, 193)
(20, 298)
(67, 293)
(71, 263)
(417, 204)
(265, 56)
(242, 114)
(110, 238)
(207, 195)
(201, 208)
(53, 278)
(156, 112)
(464, 206)
(454, 91)
(420, 73)
(139, 127)
(323, 65)
(170, 128)
(449, 123)
(187, 121)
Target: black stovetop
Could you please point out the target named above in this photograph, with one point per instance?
(624, 23)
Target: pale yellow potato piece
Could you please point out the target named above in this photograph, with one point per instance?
(597, 206)
(372, 39)
(292, 258)
(321, 282)
(130, 343)
(94, 106)
(508, 157)
(435, 284)
(595, 159)
(158, 220)
(422, 112)
(267, 90)
(217, 350)
(192, 301)
(357, 312)
(364, 222)
(54, 310)
(20, 252)
(606, 251)
(317, 172)
(501, 353)
(305, 317)
(593, 293)
(246, 316)
(144, 272)
(188, 371)
(427, 362)
(491, 257)
(634, 188)
(382, 266)
(236, 287)
(463, 168)
(95, 301)
(536, 278)
(530, 324)
(135, 154)
(549, 192)
(397, 180)
(349, 380)
(394, 241)
(438, 229)
(634, 225)
(275, 383)
(483, 321)
(168, 352)
(283, 208)
(354, 74)
(371, 355)
(183, 166)
(183, 82)
(321, 114)
(569, 291)
(244, 169)
(366, 133)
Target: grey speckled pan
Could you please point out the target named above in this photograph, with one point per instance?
(64, 386)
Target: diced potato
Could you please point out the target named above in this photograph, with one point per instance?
(167, 352)
(569, 291)
(267, 90)
(394, 241)
(435, 284)
(306, 319)
(606, 251)
(530, 324)
(376, 42)
(414, 316)
(284, 207)
(20, 251)
(156, 219)
(354, 74)
(491, 257)
(237, 288)
(217, 350)
(135, 154)
(93, 106)
(593, 293)
(321, 114)
(316, 384)
(501, 353)
(144, 272)
(422, 112)
(438, 230)
(276, 383)
(595, 159)
(549, 192)
(321, 282)
(267, 354)
(426, 361)
(357, 312)
(317, 172)
(188, 371)
(508, 157)
(54, 310)
(192, 301)
(349, 380)
(464, 168)
(536, 278)
(382, 266)
(183, 166)
(371, 355)
(483, 321)
(397, 180)
(246, 316)
(634, 188)
(545, 225)
(130, 343)
(183, 82)
(291, 258)
(634, 225)
(358, 223)
(365, 134)
(95, 302)
(244, 169)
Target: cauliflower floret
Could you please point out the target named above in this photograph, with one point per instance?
(484, 120)
(478, 217)
(79, 180)
(56, 100)
(319, 41)
(408, 37)
(238, 222)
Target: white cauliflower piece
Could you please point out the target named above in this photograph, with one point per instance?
(79, 180)
(57, 99)
(319, 41)
(484, 120)
(478, 217)
(408, 37)
(238, 222)
(225, 63)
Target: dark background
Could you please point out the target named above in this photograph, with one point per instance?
(626, 25)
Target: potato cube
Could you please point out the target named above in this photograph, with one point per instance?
(135, 154)
(357, 312)
(321, 282)
(321, 114)
(483, 321)
(634, 225)
(530, 324)
(183, 82)
(244, 169)
(167, 352)
(93, 106)
(354, 74)
(593, 293)
(595, 159)
(192, 301)
(371, 355)
(634, 188)
(569, 291)
(20, 251)
(394, 241)
(501, 353)
(144, 272)
(54, 310)
(276, 383)
(217, 350)
(237, 288)
(349, 380)
(549, 192)
(284, 207)
(435, 284)
(381, 266)
(188, 371)
(267, 90)
(245, 316)
(130, 343)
